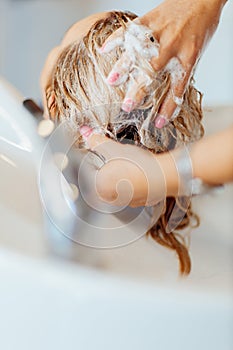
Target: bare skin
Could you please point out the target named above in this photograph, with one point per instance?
(182, 28)
(152, 177)
(75, 33)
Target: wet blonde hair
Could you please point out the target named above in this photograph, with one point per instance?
(83, 97)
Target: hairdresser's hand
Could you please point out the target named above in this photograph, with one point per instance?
(131, 176)
(182, 28)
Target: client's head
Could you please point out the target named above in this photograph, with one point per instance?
(78, 93)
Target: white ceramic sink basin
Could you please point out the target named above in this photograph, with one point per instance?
(127, 298)
(21, 224)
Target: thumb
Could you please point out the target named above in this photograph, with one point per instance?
(91, 138)
(114, 40)
(99, 143)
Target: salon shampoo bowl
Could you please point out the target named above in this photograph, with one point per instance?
(48, 301)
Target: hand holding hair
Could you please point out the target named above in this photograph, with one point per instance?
(128, 170)
(155, 177)
(181, 30)
(80, 96)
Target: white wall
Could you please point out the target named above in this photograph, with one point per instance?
(30, 28)
(215, 72)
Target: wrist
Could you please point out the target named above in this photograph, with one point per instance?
(170, 173)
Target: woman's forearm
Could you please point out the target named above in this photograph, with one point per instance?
(211, 157)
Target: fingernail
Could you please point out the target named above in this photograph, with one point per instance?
(160, 122)
(110, 45)
(105, 47)
(128, 105)
(85, 131)
(113, 77)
